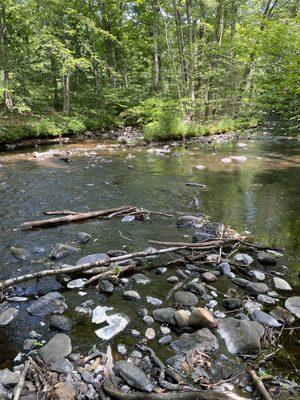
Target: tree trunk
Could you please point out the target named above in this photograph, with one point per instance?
(156, 63)
(8, 103)
(191, 67)
(66, 92)
(180, 40)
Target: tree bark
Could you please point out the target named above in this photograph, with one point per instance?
(180, 40)
(66, 92)
(191, 66)
(8, 103)
(156, 58)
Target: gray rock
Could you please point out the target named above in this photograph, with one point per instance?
(241, 336)
(232, 303)
(116, 253)
(20, 253)
(146, 364)
(88, 376)
(164, 315)
(57, 348)
(266, 259)
(92, 259)
(215, 229)
(122, 349)
(293, 305)
(62, 366)
(266, 299)
(257, 288)
(61, 250)
(185, 299)
(82, 237)
(182, 318)
(106, 286)
(173, 279)
(141, 279)
(260, 276)
(199, 236)
(134, 376)
(61, 323)
(281, 284)
(186, 221)
(50, 303)
(165, 340)
(202, 340)
(77, 283)
(131, 295)
(225, 372)
(265, 319)
(196, 287)
(29, 344)
(8, 377)
(225, 268)
(3, 393)
(250, 306)
(154, 301)
(202, 318)
(283, 315)
(150, 334)
(8, 315)
(241, 282)
(243, 259)
(161, 270)
(209, 277)
(148, 320)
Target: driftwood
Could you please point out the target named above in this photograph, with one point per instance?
(260, 385)
(66, 269)
(20, 384)
(207, 244)
(115, 393)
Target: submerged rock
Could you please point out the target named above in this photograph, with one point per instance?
(283, 315)
(266, 259)
(20, 253)
(116, 324)
(141, 279)
(224, 268)
(56, 349)
(196, 287)
(185, 299)
(134, 376)
(154, 301)
(187, 221)
(266, 299)
(92, 259)
(209, 277)
(232, 303)
(106, 286)
(241, 336)
(202, 318)
(61, 323)
(50, 303)
(265, 319)
(293, 305)
(61, 250)
(260, 276)
(82, 237)
(281, 284)
(8, 315)
(199, 236)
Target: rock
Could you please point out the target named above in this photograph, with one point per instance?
(148, 320)
(196, 287)
(134, 376)
(88, 376)
(64, 391)
(82, 237)
(154, 301)
(185, 299)
(232, 303)
(266, 299)
(283, 315)
(62, 366)
(146, 364)
(61, 323)
(260, 276)
(281, 284)
(202, 340)
(99, 314)
(8, 377)
(225, 372)
(106, 286)
(250, 306)
(61, 250)
(202, 318)
(266, 259)
(116, 324)
(161, 270)
(131, 295)
(257, 288)
(226, 160)
(265, 319)
(219, 314)
(20, 253)
(165, 340)
(57, 348)
(128, 218)
(199, 236)
(135, 333)
(241, 282)
(4, 393)
(241, 336)
(164, 315)
(182, 318)
(153, 251)
(181, 274)
(173, 279)
(165, 330)
(91, 259)
(209, 277)
(239, 158)
(293, 305)
(187, 221)
(243, 259)
(77, 283)
(216, 229)
(50, 303)
(8, 315)
(150, 334)
(122, 349)
(225, 268)
(141, 279)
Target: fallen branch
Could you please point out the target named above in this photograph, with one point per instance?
(209, 244)
(260, 385)
(67, 269)
(63, 212)
(20, 384)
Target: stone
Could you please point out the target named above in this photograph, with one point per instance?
(225, 372)
(202, 340)
(241, 336)
(165, 330)
(141, 279)
(196, 287)
(4, 393)
(281, 284)
(226, 160)
(243, 259)
(232, 303)
(77, 283)
(20, 253)
(266, 299)
(161, 270)
(239, 158)
(29, 344)
(99, 314)
(199, 236)
(135, 333)
(209, 277)
(62, 366)
(8, 315)
(88, 376)
(8, 377)
(148, 320)
(250, 306)
(265, 319)
(61, 250)
(154, 301)
(202, 318)
(116, 324)
(50, 303)
(134, 376)
(128, 218)
(187, 221)
(57, 348)
(182, 318)
(283, 315)
(241, 282)
(106, 286)
(82, 237)
(146, 364)
(216, 229)
(266, 259)
(173, 279)
(185, 299)
(150, 334)
(293, 305)
(257, 288)
(225, 268)
(91, 259)
(258, 275)
(61, 323)
(181, 274)
(122, 349)
(164, 315)
(165, 340)
(219, 314)
(64, 391)
(131, 295)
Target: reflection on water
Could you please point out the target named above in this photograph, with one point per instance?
(259, 195)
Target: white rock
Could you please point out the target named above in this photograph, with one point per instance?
(99, 314)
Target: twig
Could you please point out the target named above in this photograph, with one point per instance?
(260, 385)
(124, 237)
(19, 386)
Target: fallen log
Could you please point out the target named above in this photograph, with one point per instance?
(115, 393)
(69, 218)
(66, 269)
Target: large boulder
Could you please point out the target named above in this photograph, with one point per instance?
(50, 303)
(202, 318)
(56, 349)
(134, 376)
(241, 336)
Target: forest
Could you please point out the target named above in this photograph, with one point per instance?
(173, 67)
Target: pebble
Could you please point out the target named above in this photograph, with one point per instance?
(122, 349)
(165, 330)
(165, 340)
(154, 301)
(266, 299)
(148, 320)
(281, 284)
(150, 334)
(209, 277)
(173, 279)
(135, 333)
(131, 295)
